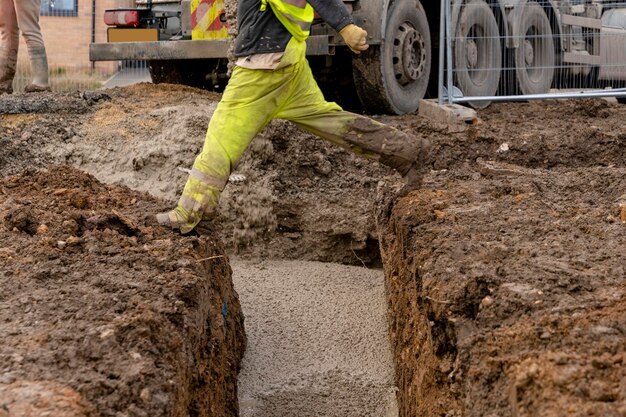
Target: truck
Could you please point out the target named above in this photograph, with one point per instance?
(498, 47)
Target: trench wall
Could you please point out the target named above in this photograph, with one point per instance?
(104, 313)
(505, 281)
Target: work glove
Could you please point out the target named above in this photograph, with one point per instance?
(355, 38)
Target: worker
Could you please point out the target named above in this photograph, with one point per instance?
(22, 16)
(272, 80)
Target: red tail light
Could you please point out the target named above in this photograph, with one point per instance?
(121, 17)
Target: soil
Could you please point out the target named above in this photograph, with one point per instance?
(104, 313)
(146, 137)
(504, 272)
(276, 211)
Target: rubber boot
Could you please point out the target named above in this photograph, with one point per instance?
(39, 67)
(8, 62)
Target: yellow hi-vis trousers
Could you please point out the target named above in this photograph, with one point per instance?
(251, 100)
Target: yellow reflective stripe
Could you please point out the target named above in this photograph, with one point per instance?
(303, 25)
(295, 15)
(301, 4)
(219, 183)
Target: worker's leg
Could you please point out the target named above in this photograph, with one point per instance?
(308, 109)
(28, 20)
(9, 44)
(246, 107)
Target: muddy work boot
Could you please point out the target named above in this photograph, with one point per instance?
(177, 219)
(413, 162)
(408, 154)
(34, 88)
(184, 221)
(39, 67)
(7, 71)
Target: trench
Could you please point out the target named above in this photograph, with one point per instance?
(316, 326)
(465, 317)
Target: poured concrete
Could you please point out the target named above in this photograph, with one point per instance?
(317, 341)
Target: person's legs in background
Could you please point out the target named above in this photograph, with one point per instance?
(28, 20)
(9, 45)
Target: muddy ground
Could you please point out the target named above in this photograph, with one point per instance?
(104, 313)
(505, 272)
(146, 138)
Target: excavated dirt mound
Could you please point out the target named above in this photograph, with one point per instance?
(105, 314)
(147, 136)
(506, 276)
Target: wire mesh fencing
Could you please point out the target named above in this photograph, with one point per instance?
(523, 50)
(68, 27)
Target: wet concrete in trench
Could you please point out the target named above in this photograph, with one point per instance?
(317, 340)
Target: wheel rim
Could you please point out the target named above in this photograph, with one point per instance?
(531, 47)
(529, 53)
(471, 53)
(409, 54)
(476, 50)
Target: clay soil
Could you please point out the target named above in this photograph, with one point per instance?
(505, 271)
(105, 314)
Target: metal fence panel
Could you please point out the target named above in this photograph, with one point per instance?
(523, 50)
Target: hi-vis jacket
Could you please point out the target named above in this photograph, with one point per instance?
(295, 15)
(264, 29)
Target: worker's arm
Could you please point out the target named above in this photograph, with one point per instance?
(335, 13)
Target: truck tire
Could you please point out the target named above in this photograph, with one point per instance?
(534, 58)
(477, 52)
(393, 77)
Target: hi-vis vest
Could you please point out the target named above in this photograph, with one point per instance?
(295, 15)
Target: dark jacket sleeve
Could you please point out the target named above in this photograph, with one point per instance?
(333, 12)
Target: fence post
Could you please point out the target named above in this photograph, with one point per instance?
(449, 49)
(442, 51)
